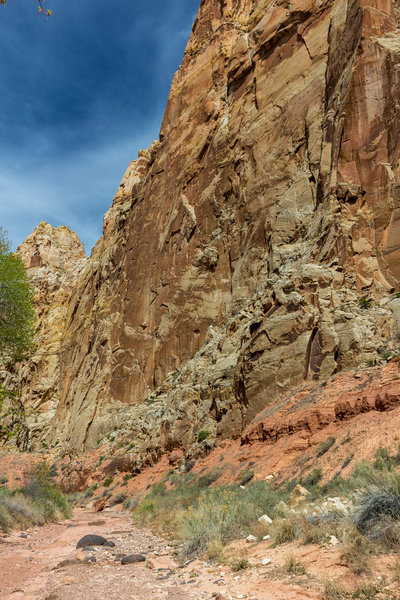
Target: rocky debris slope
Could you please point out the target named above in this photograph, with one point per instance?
(250, 250)
(329, 427)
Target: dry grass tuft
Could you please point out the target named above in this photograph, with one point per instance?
(293, 566)
(333, 591)
(357, 552)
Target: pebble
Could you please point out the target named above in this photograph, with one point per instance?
(266, 561)
(251, 538)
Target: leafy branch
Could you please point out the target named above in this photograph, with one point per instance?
(42, 11)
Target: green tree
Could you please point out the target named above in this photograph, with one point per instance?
(17, 316)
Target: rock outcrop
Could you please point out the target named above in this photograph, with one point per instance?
(53, 258)
(254, 247)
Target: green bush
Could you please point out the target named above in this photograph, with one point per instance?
(324, 446)
(202, 435)
(205, 516)
(38, 501)
(285, 531)
(365, 302)
(45, 494)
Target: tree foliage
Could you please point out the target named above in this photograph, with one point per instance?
(17, 315)
(42, 11)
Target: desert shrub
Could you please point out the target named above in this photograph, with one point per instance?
(333, 591)
(224, 514)
(38, 501)
(384, 461)
(130, 503)
(366, 592)
(22, 512)
(215, 550)
(90, 490)
(365, 302)
(45, 493)
(378, 513)
(202, 435)
(286, 530)
(324, 446)
(312, 479)
(240, 564)
(292, 565)
(5, 517)
(203, 515)
(245, 476)
(144, 510)
(107, 482)
(357, 552)
(118, 499)
(313, 533)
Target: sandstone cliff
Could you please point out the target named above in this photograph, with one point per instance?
(252, 249)
(53, 258)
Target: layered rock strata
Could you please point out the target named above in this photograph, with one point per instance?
(254, 247)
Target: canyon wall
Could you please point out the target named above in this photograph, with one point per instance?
(249, 251)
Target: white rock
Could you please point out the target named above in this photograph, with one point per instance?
(251, 538)
(269, 477)
(266, 537)
(282, 506)
(242, 487)
(333, 540)
(265, 519)
(266, 561)
(240, 596)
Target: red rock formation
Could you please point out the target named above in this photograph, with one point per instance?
(239, 246)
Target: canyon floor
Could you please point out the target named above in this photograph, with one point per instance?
(43, 563)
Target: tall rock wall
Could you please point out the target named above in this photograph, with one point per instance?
(255, 246)
(53, 258)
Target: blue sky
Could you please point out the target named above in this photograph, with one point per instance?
(80, 94)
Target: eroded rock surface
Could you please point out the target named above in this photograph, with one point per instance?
(54, 258)
(254, 247)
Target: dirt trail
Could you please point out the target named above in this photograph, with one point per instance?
(44, 566)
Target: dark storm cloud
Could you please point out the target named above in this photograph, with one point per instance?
(80, 93)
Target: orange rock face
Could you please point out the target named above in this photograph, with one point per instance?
(254, 247)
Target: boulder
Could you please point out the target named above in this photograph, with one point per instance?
(93, 540)
(133, 558)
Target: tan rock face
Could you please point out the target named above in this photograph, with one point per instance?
(255, 246)
(54, 258)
